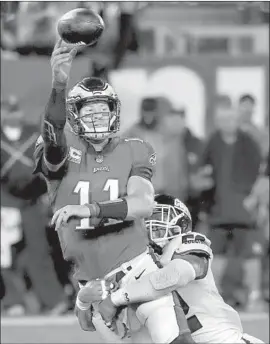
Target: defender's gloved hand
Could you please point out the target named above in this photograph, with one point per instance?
(95, 290)
(85, 319)
(107, 309)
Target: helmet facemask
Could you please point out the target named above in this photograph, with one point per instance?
(93, 110)
(166, 223)
(89, 123)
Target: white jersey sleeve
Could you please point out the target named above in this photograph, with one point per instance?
(194, 243)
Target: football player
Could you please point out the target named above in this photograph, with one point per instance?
(100, 190)
(186, 258)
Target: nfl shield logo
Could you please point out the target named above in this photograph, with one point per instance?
(99, 159)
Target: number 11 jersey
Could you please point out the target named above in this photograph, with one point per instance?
(87, 176)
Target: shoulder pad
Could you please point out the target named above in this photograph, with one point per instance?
(196, 243)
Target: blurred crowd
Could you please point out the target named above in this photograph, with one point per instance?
(28, 28)
(223, 178)
(224, 182)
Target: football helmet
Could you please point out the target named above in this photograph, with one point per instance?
(85, 93)
(170, 219)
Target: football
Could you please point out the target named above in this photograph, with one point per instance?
(81, 26)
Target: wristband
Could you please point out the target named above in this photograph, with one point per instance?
(83, 306)
(93, 208)
(117, 209)
(119, 298)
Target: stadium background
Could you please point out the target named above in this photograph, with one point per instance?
(187, 52)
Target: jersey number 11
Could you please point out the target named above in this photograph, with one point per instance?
(83, 189)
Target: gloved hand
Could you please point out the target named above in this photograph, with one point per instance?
(107, 309)
(85, 319)
(108, 312)
(95, 290)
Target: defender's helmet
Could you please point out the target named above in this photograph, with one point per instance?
(170, 218)
(93, 90)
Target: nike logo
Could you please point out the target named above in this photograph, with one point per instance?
(137, 277)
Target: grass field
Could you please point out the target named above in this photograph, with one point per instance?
(66, 330)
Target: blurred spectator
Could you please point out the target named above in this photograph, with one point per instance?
(36, 23)
(201, 180)
(265, 259)
(151, 129)
(23, 217)
(8, 29)
(177, 148)
(127, 35)
(258, 201)
(119, 39)
(228, 153)
(246, 109)
(194, 148)
(258, 205)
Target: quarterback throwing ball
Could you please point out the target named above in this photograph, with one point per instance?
(100, 190)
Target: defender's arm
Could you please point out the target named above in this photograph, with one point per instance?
(189, 262)
(178, 273)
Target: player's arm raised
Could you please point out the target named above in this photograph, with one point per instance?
(54, 120)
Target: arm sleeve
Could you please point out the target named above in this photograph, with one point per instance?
(52, 130)
(199, 262)
(144, 159)
(41, 166)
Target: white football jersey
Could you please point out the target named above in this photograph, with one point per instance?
(210, 319)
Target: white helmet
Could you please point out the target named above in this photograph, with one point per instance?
(170, 219)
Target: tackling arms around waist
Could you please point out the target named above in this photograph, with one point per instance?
(176, 274)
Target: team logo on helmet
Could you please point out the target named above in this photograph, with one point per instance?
(153, 159)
